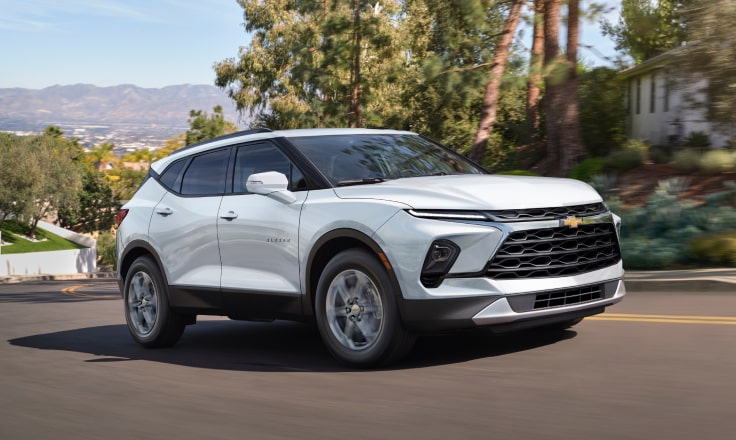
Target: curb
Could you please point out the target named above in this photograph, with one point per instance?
(15, 279)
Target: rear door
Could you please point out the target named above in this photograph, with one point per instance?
(183, 229)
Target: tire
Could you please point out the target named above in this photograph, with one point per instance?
(150, 320)
(357, 314)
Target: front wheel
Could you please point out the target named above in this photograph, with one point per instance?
(150, 320)
(356, 311)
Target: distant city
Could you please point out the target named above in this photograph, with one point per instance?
(126, 116)
(127, 138)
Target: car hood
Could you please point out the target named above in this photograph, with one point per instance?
(476, 192)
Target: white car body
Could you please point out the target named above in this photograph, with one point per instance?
(259, 252)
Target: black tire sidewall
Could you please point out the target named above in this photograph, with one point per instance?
(365, 262)
(158, 336)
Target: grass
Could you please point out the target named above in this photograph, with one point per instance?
(12, 232)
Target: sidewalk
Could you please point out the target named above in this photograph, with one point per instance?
(702, 280)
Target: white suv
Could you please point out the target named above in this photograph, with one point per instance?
(375, 234)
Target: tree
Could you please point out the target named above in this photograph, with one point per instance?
(647, 28)
(571, 141)
(536, 64)
(96, 206)
(43, 176)
(555, 71)
(17, 166)
(711, 56)
(493, 86)
(203, 126)
(602, 111)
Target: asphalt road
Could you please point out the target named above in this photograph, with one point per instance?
(657, 366)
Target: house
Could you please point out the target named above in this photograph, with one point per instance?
(665, 105)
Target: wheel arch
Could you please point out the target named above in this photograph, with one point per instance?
(331, 244)
(135, 250)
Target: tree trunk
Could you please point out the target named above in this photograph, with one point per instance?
(553, 85)
(493, 87)
(536, 63)
(571, 139)
(356, 68)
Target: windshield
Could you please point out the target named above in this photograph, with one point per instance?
(356, 159)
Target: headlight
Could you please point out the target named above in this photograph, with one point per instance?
(439, 214)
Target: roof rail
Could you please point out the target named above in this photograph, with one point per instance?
(228, 136)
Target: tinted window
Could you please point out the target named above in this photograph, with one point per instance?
(207, 174)
(262, 157)
(169, 178)
(347, 158)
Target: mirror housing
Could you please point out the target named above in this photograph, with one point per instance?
(272, 184)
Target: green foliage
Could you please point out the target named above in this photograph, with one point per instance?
(697, 139)
(687, 160)
(14, 232)
(711, 56)
(659, 234)
(624, 160)
(661, 155)
(588, 168)
(717, 161)
(38, 175)
(602, 111)
(647, 28)
(106, 254)
(719, 250)
(96, 207)
(517, 173)
(203, 126)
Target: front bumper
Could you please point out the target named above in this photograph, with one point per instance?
(511, 312)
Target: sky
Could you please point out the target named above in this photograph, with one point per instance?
(147, 43)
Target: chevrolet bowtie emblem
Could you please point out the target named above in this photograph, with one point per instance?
(571, 221)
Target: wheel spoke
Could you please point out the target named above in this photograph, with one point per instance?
(354, 310)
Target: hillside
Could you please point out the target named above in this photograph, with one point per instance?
(136, 113)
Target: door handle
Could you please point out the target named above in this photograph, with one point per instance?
(230, 215)
(164, 211)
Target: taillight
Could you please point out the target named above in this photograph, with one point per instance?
(121, 215)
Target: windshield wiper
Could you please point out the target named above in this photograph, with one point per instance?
(367, 181)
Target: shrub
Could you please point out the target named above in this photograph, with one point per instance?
(588, 168)
(715, 249)
(517, 173)
(605, 185)
(697, 139)
(717, 161)
(660, 155)
(624, 160)
(686, 161)
(637, 145)
(106, 255)
(668, 232)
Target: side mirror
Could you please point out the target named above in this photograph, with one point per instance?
(272, 184)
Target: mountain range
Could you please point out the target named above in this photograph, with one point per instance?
(79, 108)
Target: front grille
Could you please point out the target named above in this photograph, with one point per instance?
(556, 252)
(518, 215)
(568, 297)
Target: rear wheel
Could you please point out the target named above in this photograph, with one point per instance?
(357, 314)
(150, 320)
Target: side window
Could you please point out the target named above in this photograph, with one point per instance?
(206, 174)
(170, 177)
(262, 157)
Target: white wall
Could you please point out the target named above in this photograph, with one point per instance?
(49, 263)
(54, 262)
(673, 113)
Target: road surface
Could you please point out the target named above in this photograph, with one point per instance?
(656, 366)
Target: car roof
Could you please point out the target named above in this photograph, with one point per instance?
(257, 134)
